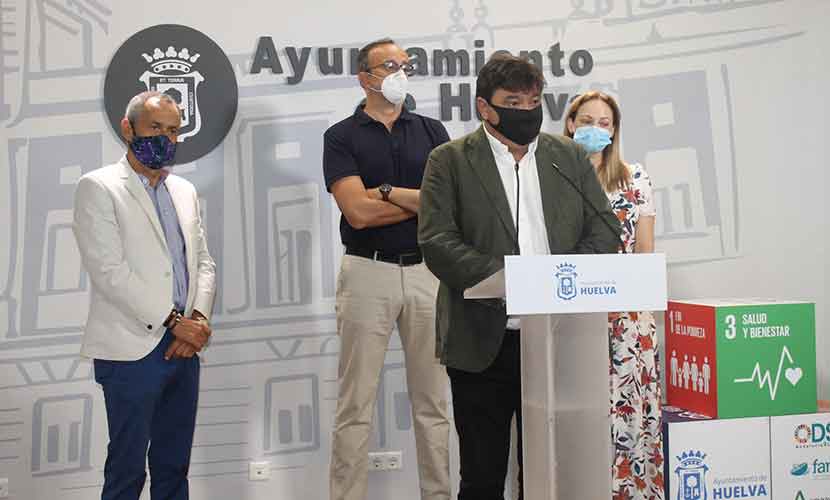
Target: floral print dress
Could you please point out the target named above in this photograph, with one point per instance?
(635, 383)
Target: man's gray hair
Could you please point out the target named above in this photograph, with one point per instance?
(137, 103)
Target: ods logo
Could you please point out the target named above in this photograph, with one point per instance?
(814, 435)
(802, 434)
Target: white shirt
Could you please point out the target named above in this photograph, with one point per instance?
(533, 234)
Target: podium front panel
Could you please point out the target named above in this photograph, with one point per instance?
(565, 406)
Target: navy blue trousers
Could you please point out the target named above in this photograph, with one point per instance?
(149, 402)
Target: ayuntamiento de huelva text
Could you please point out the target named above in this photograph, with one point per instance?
(443, 62)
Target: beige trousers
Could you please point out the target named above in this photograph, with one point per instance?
(371, 298)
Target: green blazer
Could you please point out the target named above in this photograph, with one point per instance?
(465, 229)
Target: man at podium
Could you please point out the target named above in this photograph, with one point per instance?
(505, 189)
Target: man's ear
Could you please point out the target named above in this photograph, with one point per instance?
(486, 112)
(127, 131)
(365, 80)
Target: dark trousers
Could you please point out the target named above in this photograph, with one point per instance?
(483, 406)
(149, 401)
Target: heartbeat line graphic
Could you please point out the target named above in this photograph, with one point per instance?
(793, 375)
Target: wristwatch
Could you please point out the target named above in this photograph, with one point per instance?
(172, 319)
(385, 190)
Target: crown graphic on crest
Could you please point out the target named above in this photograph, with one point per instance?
(691, 458)
(171, 60)
(566, 268)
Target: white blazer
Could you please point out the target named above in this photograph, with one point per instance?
(125, 253)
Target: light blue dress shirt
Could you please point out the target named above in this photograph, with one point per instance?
(175, 239)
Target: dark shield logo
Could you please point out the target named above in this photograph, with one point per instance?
(189, 67)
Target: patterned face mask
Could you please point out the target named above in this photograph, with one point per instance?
(154, 151)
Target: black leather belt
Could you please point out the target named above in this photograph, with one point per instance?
(408, 258)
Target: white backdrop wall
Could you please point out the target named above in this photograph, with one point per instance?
(723, 102)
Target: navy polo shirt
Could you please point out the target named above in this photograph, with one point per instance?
(362, 146)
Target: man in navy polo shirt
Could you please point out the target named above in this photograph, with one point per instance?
(373, 163)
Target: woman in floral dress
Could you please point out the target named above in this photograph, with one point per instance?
(593, 120)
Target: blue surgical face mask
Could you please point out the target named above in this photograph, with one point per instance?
(593, 139)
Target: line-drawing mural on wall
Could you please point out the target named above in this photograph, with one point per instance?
(270, 373)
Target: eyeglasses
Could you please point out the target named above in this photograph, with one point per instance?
(393, 67)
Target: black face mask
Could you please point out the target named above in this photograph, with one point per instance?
(519, 125)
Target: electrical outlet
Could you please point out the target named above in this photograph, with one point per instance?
(394, 460)
(4, 487)
(383, 461)
(259, 471)
(377, 461)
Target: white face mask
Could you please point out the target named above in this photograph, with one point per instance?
(394, 87)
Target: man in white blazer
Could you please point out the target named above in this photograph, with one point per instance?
(142, 242)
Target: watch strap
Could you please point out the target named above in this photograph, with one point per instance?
(172, 319)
